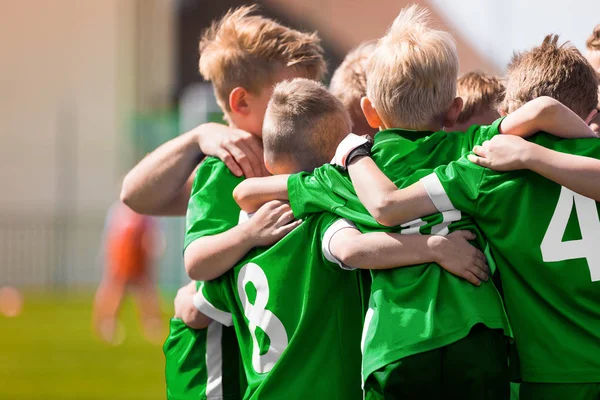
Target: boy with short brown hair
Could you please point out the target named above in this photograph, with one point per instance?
(481, 94)
(244, 56)
(349, 84)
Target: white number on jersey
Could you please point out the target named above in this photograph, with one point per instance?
(441, 229)
(554, 249)
(259, 316)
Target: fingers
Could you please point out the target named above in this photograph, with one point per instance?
(284, 230)
(481, 151)
(285, 218)
(257, 156)
(467, 235)
(479, 271)
(484, 162)
(229, 161)
(239, 152)
(469, 276)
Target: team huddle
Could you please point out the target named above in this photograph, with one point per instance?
(443, 249)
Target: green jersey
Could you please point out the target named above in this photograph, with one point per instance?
(543, 238)
(212, 208)
(417, 309)
(202, 364)
(206, 363)
(297, 314)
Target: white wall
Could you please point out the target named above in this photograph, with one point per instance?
(67, 89)
(497, 28)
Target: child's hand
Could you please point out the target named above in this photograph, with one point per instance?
(241, 151)
(185, 309)
(502, 153)
(271, 223)
(457, 256)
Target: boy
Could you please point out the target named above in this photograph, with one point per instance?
(349, 85)
(546, 253)
(243, 56)
(410, 78)
(481, 94)
(298, 288)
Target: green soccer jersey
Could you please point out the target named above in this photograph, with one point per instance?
(543, 238)
(202, 364)
(212, 208)
(298, 316)
(416, 309)
(206, 361)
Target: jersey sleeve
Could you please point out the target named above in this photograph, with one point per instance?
(330, 232)
(455, 186)
(210, 302)
(327, 189)
(312, 192)
(475, 136)
(212, 209)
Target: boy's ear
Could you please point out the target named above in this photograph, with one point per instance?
(591, 116)
(370, 112)
(502, 112)
(453, 112)
(238, 101)
(268, 167)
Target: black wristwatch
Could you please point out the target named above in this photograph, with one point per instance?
(362, 150)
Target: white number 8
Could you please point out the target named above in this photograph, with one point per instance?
(554, 249)
(259, 316)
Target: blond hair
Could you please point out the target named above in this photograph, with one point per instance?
(480, 92)
(411, 76)
(561, 72)
(303, 124)
(349, 81)
(243, 50)
(593, 42)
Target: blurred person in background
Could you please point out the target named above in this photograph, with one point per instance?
(130, 247)
(593, 56)
(481, 94)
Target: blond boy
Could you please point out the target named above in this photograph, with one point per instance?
(349, 85)
(243, 56)
(481, 94)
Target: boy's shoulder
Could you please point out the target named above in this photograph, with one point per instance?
(214, 171)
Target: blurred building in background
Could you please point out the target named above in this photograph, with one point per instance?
(89, 87)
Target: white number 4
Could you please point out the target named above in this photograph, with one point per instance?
(554, 249)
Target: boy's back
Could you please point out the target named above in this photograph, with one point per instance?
(420, 308)
(548, 258)
(298, 317)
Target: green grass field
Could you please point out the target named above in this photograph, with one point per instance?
(48, 352)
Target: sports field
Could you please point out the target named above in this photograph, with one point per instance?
(48, 352)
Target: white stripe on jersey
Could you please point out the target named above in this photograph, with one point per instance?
(214, 361)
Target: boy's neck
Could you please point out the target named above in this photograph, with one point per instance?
(428, 128)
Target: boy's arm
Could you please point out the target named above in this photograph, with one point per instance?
(380, 250)
(547, 115)
(187, 311)
(506, 153)
(253, 193)
(384, 201)
(209, 257)
(161, 183)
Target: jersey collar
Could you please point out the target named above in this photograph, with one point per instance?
(404, 133)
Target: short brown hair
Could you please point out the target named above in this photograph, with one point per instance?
(303, 124)
(561, 72)
(243, 50)
(593, 42)
(480, 92)
(349, 81)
